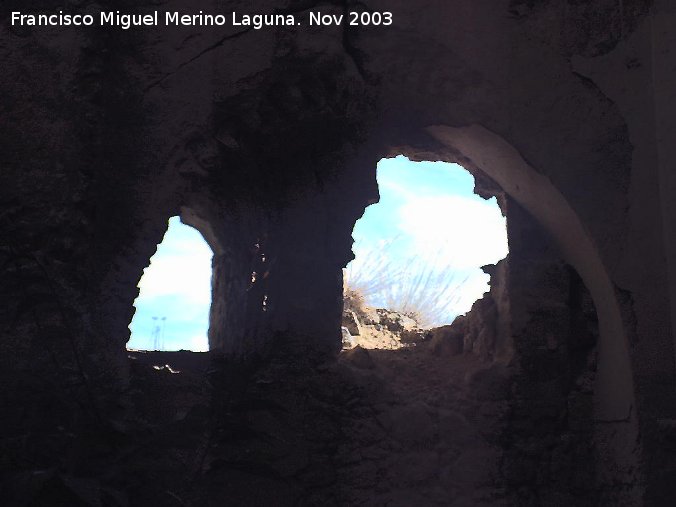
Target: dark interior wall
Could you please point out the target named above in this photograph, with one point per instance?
(242, 135)
(553, 422)
(272, 137)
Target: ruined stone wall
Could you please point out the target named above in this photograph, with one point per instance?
(272, 137)
(551, 456)
(538, 327)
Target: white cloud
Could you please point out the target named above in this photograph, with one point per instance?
(428, 226)
(472, 289)
(392, 189)
(181, 267)
(199, 343)
(177, 286)
(454, 231)
(172, 275)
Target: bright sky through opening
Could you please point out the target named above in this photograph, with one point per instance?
(177, 286)
(427, 211)
(429, 218)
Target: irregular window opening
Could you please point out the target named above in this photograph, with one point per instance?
(172, 309)
(419, 253)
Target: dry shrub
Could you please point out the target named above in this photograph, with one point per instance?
(354, 301)
(424, 289)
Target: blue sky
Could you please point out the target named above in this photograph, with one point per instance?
(176, 285)
(428, 223)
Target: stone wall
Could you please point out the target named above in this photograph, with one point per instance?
(550, 457)
(271, 137)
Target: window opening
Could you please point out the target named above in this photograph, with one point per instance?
(419, 252)
(172, 309)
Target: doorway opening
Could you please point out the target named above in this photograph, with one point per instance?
(172, 309)
(419, 253)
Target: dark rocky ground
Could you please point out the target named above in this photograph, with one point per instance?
(381, 427)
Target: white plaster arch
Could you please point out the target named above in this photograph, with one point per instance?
(614, 403)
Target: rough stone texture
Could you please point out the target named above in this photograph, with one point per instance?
(484, 331)
(554, 329)
(266, 141)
